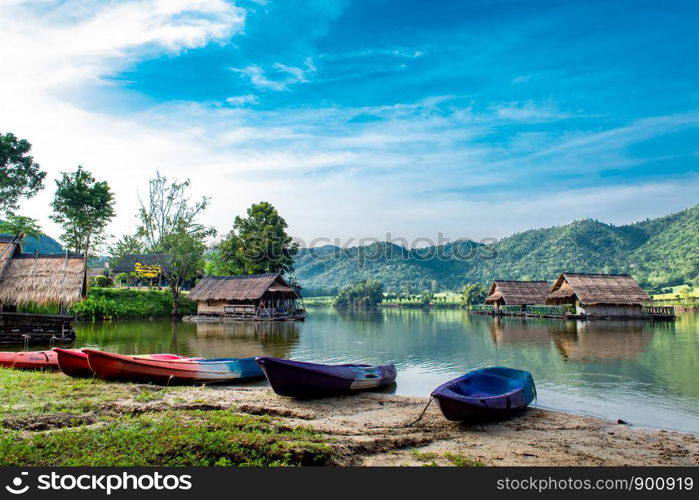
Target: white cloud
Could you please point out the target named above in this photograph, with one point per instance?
(287, 75)
(241, 100)
(414, 169)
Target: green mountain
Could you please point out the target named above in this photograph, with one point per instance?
(42, 244)
(657, 252)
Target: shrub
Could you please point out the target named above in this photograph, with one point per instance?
(103, 281)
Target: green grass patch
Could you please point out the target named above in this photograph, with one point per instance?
(48, 419)
(460, 460)
(171, 438)
(38, 393)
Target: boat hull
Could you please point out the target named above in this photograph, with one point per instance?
(29, 360)
(310, 380)
(486, 393)
(73, 362)
(147, 369)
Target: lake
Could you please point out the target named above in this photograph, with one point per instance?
(644, 373)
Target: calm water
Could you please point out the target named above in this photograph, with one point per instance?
(644, 373)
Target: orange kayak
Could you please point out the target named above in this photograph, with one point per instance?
(166, 369)
(30, 360)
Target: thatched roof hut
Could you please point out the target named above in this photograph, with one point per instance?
(39, 278)
(597, 289)
(252, 296)
(518, 293)
(241, 288)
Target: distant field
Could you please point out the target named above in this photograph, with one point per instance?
(678, 293)
(441, 299)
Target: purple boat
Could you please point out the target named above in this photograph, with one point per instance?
(311, 380)
(488, 392)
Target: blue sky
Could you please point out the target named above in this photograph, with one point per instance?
(361, 118)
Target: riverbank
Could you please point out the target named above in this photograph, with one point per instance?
(123, 303)
(50, 419)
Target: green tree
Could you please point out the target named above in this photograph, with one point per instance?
(426, 298)
(473, 293)
(257, 244)
(18, 225)
(83, 207)
(126, 245)
(20, 175)
(361, 294)
(169, 228)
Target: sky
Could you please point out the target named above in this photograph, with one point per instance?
(363, 119)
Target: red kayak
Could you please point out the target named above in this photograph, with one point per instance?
(73, 362)
(158, 369)
(7, 359)
(30, 360)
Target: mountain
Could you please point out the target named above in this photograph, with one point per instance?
(657, 252)
(42, 244)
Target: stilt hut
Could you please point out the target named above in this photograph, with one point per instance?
(40, 279)
(262, 297)
(517, 293)
(600, 295)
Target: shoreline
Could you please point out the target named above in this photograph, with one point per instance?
(370, 429)
(92, 422)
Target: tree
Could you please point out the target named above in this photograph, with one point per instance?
(126, 245)
(18, 225)
(257, 244)
(84, 207)
(473, 293)
(361, 294)
(426, 298)
(20, 175)
(169, 228)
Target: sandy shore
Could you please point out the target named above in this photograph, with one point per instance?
(372, 429)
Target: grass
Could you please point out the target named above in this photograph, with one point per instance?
(26, 393)
(47, 419)
(170, 438)
(430, 459)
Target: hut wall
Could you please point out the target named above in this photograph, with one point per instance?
(625, 310)
(211, 306)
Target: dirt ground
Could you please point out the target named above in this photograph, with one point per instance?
(373, 429)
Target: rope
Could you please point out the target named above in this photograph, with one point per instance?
(421, 414)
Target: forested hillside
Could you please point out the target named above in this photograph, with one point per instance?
(657, 252)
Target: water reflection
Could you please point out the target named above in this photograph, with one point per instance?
(210, 340)
(638, 371)
(244, 339)
(588, 341)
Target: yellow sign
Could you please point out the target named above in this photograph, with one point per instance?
(146, 271)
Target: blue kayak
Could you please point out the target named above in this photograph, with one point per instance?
(485, 392)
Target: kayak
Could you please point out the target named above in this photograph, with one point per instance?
(306, 380)
(29, 360)
(73, 362)
(170, 369)
(492, 391)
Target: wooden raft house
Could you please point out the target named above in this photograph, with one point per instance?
(513, 296)
(38, 279)
(255, 297)
(606, 296)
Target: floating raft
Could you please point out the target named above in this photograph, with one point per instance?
(41, 329)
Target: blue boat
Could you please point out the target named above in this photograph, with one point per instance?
(300, 379)
(487, 392)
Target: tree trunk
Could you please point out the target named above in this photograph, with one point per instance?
(175, 289)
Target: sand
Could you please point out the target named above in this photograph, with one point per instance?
(372, 429)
